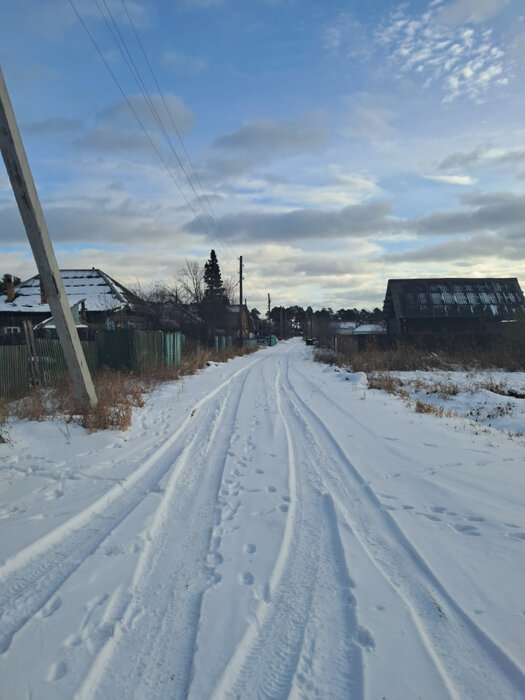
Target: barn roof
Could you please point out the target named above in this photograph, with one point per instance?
(459, 297)
(98, 291)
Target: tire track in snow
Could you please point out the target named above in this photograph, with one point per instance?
(470, 662)
(159, 627)
(31, 577)
(303, 638)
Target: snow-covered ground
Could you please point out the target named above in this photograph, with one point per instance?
(269, 528)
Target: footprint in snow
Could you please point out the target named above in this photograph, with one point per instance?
(271, 489)
(57, 671)
(51, 606)
(364, 638)
(434, 518)
(466, 530)
(249, 548)
(437, 509)
(213, 558)
(247, 578)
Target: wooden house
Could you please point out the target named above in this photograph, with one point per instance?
(103, 302)
(454, 304)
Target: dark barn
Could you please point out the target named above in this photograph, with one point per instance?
(454, 304)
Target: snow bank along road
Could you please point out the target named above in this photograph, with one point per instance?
(267, 529)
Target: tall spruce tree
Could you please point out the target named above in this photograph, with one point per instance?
(215, 301)
(214, 288)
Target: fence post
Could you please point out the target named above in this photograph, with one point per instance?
(216, 343)
(32, 356)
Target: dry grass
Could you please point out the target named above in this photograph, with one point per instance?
(34, 406)
(118, 393)
(422, 407)
(443, 389)
(504, 350)
(385, 381)
(4, 415)
(329, 357)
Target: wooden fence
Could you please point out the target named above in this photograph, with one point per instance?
(131, 350)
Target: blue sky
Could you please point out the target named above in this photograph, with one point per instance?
(333, 144)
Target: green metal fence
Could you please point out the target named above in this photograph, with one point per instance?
(137, 350)
(128, 349)
(172, 349)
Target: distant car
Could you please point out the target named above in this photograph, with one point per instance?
(311, 341)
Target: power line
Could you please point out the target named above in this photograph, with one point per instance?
(135, 72)
(181, 141)
(121, 44)
(154, 146)
(179, 135)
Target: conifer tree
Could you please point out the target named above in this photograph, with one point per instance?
(213, 307)
(214, 288)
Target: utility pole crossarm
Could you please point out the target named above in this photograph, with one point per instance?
(24, 189)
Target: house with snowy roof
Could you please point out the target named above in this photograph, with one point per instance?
(102, 302)
(453, 304)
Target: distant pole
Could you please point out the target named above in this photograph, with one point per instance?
(281, 320)
(240, 298)
(24, 189)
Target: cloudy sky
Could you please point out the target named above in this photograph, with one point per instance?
(332, 144)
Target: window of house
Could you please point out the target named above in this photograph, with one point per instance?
(11, 330)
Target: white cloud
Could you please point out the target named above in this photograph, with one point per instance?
(464, 60)
(483, 156)
(330, 188)
(452, 179)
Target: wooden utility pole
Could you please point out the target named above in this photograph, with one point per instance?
(240, 299)
(24, 189)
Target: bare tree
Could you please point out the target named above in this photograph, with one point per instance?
(190, 283)
(230, 289)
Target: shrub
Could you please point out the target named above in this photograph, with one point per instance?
(422, 407)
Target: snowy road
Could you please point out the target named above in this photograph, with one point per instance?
(268, 529)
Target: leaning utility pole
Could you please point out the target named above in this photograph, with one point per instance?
(24, 189)
(240, 298)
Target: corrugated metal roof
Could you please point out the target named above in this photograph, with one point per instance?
(496, 298)
(99, 292)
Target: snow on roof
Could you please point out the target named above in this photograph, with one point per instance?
(100, 292)
(369, 328)
(343, 324)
